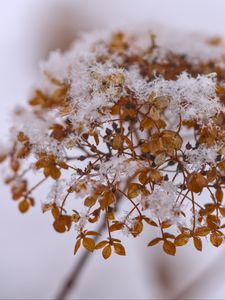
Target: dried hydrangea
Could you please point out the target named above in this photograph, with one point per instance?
(127, 121)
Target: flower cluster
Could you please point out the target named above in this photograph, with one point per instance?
(128, 129)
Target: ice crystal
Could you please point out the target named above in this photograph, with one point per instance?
(118, 168)
(201, 157)
(190, 97)
(162, 201)
(82, 221)
(57, 192)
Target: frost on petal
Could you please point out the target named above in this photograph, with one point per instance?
(57, 65)
(201, 157)
(192, 98)
(137, 83)
(118, 168)
(82, 221)
(161, 202)
(36, 127)
(83, 187)
(94, 86)
(129, 220)
(57, 192)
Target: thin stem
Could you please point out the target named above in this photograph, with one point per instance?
(36, 186)
(134, 204)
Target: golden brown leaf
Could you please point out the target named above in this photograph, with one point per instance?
(169, 247)
(24, 206)
(202, 231)
(221, 165)
(108, 198)
(146, 123)
(89, 201)
(62, 224)
(166, 224)
(134, 190)
(196, 182)
(89, 244)
(137, 228)
(117, 142)
(55, 212)
(119, 249)
(216, 238)
(211, 174)
(212, 222)
(93, 233)
(116, 226)
(101, 244)
(107, 251)
(219, 195)
(222, 211)
(77, 246)
(154, 242)
(171, 140)
(181, 240)
(197, 243)
(150, 222)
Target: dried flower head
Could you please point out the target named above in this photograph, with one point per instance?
(127, 121)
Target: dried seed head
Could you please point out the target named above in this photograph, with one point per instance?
(124, 118)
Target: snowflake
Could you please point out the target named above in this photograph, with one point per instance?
(82, 221)
(161, 201)
(190, 97)
(197, 159)
(118, 168)
(57, 192)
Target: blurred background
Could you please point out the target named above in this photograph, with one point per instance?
(35, 260)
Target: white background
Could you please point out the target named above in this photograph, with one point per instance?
(34, 259)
